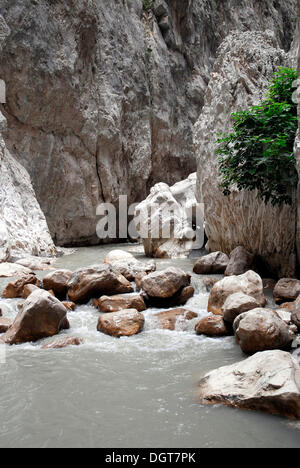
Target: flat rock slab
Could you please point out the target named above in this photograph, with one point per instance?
(268, 381)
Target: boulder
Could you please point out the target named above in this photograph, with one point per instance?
(213, 326)
(262, 330)
(121, 302)
(95, 281)
(268, 381)
(118, 256)
(41, 316)
(15, 289)
(240, 262)
(5, 324)
(237, 304)
(69, 305)
(166, 220)
(58, 281)
(133, 269)
(36, 263)
(168, 319)
(124, 323)
(250, 284)
(214, 263)
(209, 283)
(63, 342)
(286, 290)
(9, 270)
(165, 284)
(28, 289)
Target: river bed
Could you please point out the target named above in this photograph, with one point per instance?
(132, 392)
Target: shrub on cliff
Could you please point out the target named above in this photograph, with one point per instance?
(258, 154)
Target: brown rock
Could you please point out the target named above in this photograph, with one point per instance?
(240, 262)
(124, 323)
(214, 263)
(250, 284)
(169, 318)
(286, 290)
(165, 284)
(28, 289)
(15, 289)
(261, 330)
(69, 305)
(237, 304)
(121, 302)
(209, 283)
(63, 342)
(5, 324)
(213, 326)
(96, 281)
(133, 269)
(57, 281)
(41, 316)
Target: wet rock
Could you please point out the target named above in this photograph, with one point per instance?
(262, 330)
(169, 318)
(121, 302)
(63, 342)
(119, 256)
(165, 284)
(69, 305)
(133, 269)
(28, 289)
(5, 324)
(165, 220)
(268, 381)
(41, 316)
(15, 289)
(9, 270)
(249, 284)
(124, 323)
(286, 290)
(240, 262)
(214, 263)
(95, 281)
(212, 326)
(58, 281)
(237, 304)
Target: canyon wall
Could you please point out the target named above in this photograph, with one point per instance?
(102, 95)
(23, 228)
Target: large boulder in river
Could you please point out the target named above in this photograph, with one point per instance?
(15, 288)
(89, 283)
(212, 264)
(166, 220)
(240, 262)
(268, 381)
(118, 256)
(237, 304)
(262, 330)
(213, 326)
(133, 269)
(120, 302)
(250, 284)
(124, 323)
(41, 316)
(286, 290)
(58, 281)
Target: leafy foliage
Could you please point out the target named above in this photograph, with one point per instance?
(258, 154)
(148, 5)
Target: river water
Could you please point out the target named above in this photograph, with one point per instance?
(132, 392)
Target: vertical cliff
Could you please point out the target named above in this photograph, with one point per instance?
(102, 95)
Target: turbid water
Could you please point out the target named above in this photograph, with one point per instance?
(131, 392)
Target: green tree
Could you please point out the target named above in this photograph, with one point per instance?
(258, 154)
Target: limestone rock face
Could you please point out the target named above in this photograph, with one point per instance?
(262, 330)
(166, 218)
(242, 72)
(111, 94)
(268, 381)
(249, 284)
